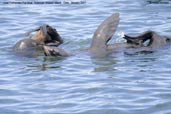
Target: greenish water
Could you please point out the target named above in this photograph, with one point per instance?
(79, 84)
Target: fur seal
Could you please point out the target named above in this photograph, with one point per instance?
(147, 41)
(45, 35)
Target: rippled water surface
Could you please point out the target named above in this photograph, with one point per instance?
(79, 84)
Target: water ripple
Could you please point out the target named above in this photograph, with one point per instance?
(118, 84)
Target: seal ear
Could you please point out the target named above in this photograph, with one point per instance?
(105, 32)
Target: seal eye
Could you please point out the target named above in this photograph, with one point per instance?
(168, 39)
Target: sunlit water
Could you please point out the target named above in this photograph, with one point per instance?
(117, 84)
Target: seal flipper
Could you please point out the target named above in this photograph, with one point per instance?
(139, 40)
(104, 33)
(54, 51)
(133, 40)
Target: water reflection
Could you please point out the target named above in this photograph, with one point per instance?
(47, 63)
(103, 64)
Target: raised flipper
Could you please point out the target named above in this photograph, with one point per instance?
(104, 33)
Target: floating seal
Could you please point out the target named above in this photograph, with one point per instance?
(44, 35)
